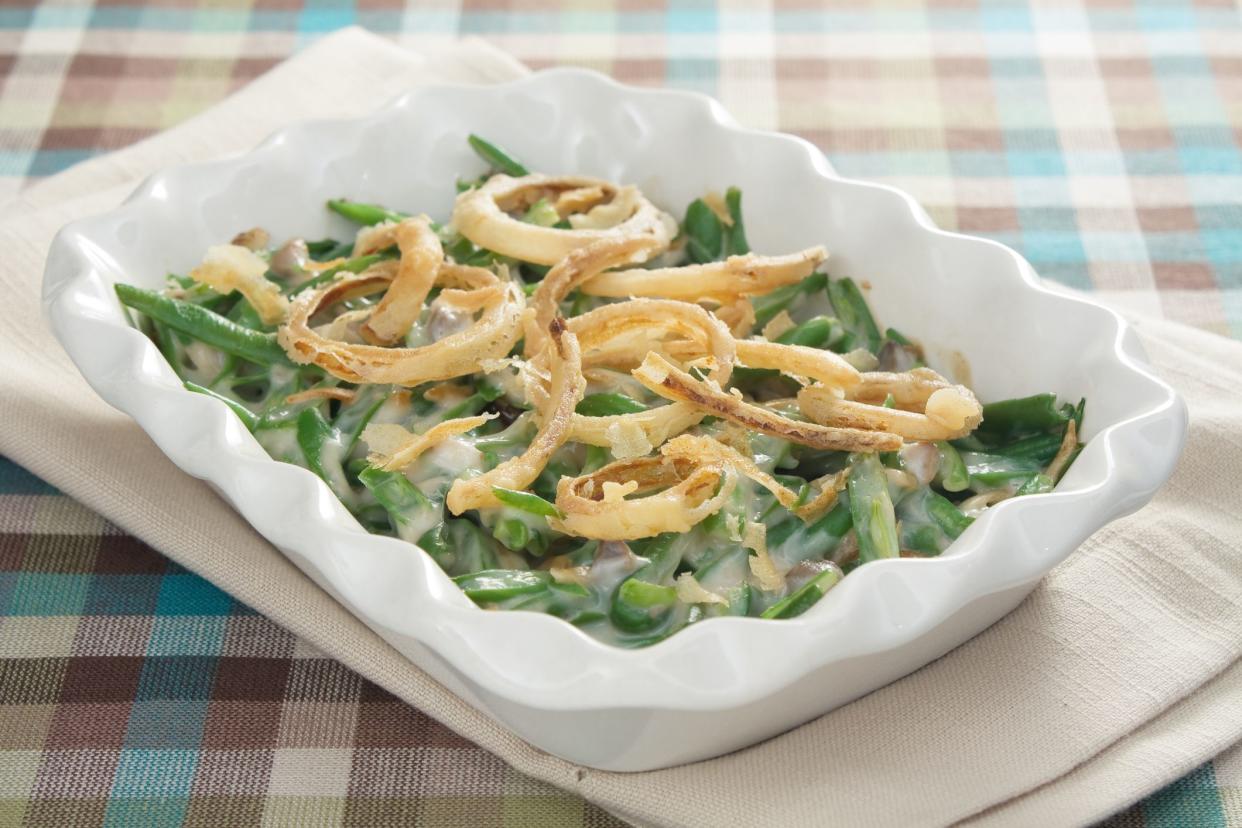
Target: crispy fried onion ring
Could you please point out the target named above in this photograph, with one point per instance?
(633, 325)
(691, 446)
(392, 448)
(745, 275)
(692, 490)
(482, 215)
(949, 412)
(492, 336)
(398, 310)
(572, 271)
(555, 415)
(670, 382)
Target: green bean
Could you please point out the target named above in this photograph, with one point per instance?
(642, 608)
(797, 541)
(512, 533)
(206, 326)
(872, 509)
(816, 332)
(249, 419)
(1040, 448)
(604, 405)
(492, 585)
(894, 335)
(770, 304)
(354, 418)
(1013, 418)
(947, 516)
(325, 250)
(354, 265)
(526, 502)
(992, 471)
(459, 547)
(951, 474)
(737, 244)
(365, 214)
(647, 596)
(406, 506)
(542, 214)
(852, 310)
(704, 232)
(1035, 484)
(496, 157)
(314, 433)
(244, 314)
(573, 602)
(806, 595)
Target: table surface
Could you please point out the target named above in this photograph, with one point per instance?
(1103, 140)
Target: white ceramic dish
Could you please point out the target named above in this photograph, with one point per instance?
(715, 686)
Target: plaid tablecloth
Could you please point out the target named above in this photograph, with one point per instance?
(1103, 140)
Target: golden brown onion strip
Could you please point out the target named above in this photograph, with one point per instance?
(398, 310)
(690, 447)
(572, 271)
(659, 375)
(612, 322)
(555, 415)
(481, 215)
(393, 448)
(492, 336)
(798, 360)
(745, 275)
(962, 414)
(695, 492)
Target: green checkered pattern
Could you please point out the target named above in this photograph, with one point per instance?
(1101, 139)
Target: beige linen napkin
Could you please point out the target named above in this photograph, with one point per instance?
(1117, 675)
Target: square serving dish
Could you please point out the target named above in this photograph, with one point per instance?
(724, 683)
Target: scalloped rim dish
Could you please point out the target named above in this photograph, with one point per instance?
(538, 675)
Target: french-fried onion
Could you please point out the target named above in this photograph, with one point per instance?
(745, 275)
(694, 491)
(492, 336)
(482, 215)
(398, 309)
(564, 393)
(670, 382)
(951, 412)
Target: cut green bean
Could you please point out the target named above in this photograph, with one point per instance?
(872, 509)
(1013, 418)
(496, 157)
(817, 332)
(947, 516)
(206, 326)
(737, 244)
(365, 214)
(770, 304)
(805, 596)
(492, 585)
(407, 508)
(604, 405)
(852, 310)
(527, 502)
(542, 214)
(704, 232)
(249, 419)
(354, 265)
(951, 474)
